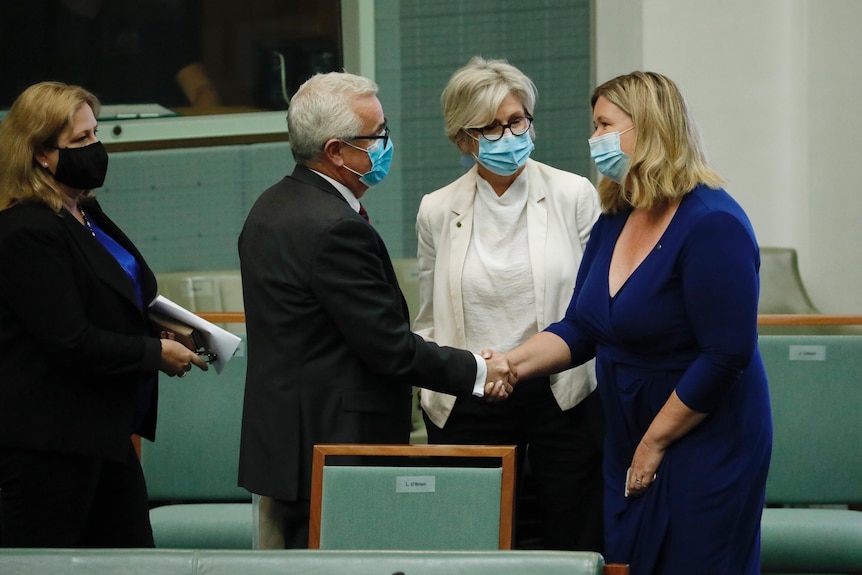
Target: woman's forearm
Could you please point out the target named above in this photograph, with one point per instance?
(674, 420)
(543, 354)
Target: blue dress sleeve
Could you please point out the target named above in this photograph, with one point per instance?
(719, 271)
(582, 347)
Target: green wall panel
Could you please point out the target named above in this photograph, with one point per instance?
(184, 208)
(419, 44)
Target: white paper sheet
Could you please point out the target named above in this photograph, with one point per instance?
(218, 340)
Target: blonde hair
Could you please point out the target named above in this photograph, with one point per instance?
(668, 160)
(34, 122)
(474, 94)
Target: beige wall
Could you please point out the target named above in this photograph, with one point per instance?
(774, 86)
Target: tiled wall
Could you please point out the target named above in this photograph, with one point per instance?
(185, 208)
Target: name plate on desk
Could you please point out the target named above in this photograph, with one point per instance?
(807, 353)
(415, 484)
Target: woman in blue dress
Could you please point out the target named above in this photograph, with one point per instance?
(666, 301)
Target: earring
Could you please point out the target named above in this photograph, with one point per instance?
(44, 164)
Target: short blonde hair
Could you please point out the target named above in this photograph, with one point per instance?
(34, 122)
(668, 160)
(475, 92)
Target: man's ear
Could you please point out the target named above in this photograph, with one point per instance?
(332, 152)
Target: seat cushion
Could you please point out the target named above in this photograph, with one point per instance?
(203, 526)
(811, 540)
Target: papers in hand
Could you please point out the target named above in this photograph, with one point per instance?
(626, 492)
(208, 335)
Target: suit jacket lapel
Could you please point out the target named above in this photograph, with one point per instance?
(461, 230)
(537, 234)
(100, 259)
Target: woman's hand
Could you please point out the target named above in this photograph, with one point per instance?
(673, 421)
(501, 377)
(644, 469)
(177, 359)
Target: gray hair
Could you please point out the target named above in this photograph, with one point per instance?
(321, 110)
(475, 92)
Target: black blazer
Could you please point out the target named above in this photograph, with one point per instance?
(331, 357)
(74, 345)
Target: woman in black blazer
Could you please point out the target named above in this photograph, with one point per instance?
(78, 360)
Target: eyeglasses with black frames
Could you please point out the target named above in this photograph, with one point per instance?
(382, 136)
(517, 126)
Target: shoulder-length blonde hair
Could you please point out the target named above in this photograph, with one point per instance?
(668, 160)
(34, 122)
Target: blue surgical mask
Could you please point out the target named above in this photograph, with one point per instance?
(381, 159)
(610, 160)
(506, 155)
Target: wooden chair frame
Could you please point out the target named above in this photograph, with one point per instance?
(506, 454)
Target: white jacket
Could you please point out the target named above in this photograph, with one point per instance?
(561, 210)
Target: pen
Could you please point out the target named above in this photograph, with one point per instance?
(209, 356)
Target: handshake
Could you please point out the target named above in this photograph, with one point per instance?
(502, 376)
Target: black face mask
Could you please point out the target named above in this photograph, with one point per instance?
(82, 168)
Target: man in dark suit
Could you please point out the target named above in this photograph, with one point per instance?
(331, 357)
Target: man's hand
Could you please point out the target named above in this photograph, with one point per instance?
(501, 376)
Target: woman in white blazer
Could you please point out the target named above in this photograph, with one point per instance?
(498, 252)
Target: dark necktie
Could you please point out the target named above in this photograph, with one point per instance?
(363, 213)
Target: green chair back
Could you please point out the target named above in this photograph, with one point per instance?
(412, 497)
(815, 384)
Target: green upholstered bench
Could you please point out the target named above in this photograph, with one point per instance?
(203, 526)
(811, 541)
(295, 562)
(191, 469)
(815, 384)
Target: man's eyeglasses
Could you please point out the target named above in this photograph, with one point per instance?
(517, 126)
(383, 136)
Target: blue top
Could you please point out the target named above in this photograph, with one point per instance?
(126, 260)
(132, 268)
(685, 320)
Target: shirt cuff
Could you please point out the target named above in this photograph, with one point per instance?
(481, 376)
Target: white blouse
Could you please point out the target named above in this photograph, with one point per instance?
(497, 279)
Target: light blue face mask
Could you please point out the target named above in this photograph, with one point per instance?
(506, 155)
(610, 160)
(381, 160)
